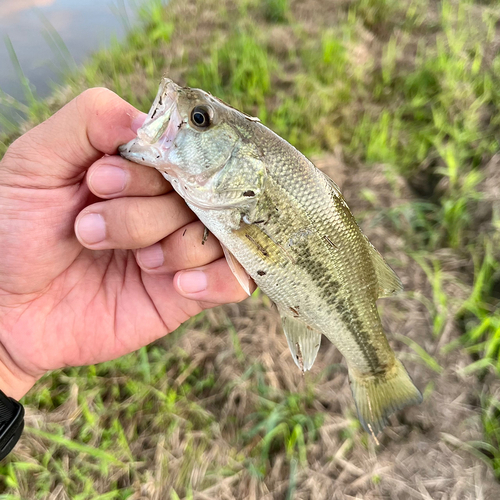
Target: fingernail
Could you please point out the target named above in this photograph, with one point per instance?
(151, 257)
(108, 179)
(138, 121)
(192, 281)
(91, 229)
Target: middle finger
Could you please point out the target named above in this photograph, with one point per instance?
(129, 223)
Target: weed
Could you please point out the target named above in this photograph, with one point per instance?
(285, 425)
(239, 67)
(277, 11)
(487, 450)
(491, 425)
(480, 314)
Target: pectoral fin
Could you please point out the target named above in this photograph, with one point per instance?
(302, 340)
(238, 270)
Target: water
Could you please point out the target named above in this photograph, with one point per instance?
(83, 25)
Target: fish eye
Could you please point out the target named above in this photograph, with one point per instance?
(200, 116)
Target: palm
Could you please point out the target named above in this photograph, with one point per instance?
(101, 303)
(112, 309)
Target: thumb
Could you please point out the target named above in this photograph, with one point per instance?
(58, 151)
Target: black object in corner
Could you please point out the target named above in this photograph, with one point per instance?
(11, 423)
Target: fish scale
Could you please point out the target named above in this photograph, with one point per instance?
(287, 225)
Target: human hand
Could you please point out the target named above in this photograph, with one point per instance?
(78, 293)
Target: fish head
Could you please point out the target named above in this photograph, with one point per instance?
(188, 135)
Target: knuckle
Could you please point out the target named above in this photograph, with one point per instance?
(194, 252)
(91, 98)
(192, 256)
(19, 159)
(97, 102)
(15, 154)
(136, 224)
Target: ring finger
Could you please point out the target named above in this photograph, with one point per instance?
(185, 248)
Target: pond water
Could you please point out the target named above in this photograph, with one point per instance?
(82, 26)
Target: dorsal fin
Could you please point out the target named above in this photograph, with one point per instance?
(333, 185)
(388, 281)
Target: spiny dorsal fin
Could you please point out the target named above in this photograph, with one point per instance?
(333, 185)
(388, 281)
(302, 340)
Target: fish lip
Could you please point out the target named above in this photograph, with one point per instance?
(156, 136)
(139, 151)
(160, 113)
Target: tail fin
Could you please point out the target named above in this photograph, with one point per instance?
(377, 396)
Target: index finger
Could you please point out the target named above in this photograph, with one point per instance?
(59, 150)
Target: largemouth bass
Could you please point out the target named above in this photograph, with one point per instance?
(287, 225)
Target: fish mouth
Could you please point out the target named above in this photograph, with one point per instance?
(157, 134)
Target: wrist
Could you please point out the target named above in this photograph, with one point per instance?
(14, 388)
(13, 382)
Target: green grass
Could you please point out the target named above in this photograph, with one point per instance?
(238, 69)
(277, 10)
(103, 441)
(490, 447)
(413, 85)
(286, 422)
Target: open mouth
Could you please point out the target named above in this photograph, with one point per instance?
(158, 132)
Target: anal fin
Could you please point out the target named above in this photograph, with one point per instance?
(302, 340)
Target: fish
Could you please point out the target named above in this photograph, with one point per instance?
(284, 223)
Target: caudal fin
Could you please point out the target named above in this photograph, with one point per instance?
(377, 396)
